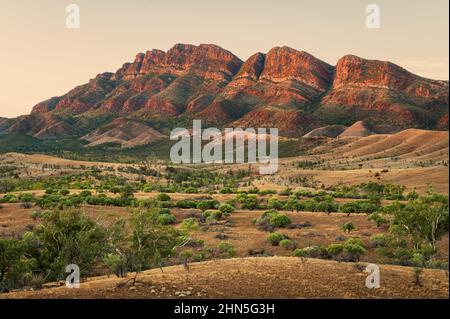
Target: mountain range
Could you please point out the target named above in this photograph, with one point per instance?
(284, 88)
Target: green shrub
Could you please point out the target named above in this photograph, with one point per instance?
(226, 250)
(163, 197)
(163, 211)
(26, 198)
(412, 195)
(275, 238)
(186, 204)
(226, 190)
(285, 192)
(288, 244)
(207, 204)
(300, 252)
(275, 203)
(272, 219)
(217, 215)
(226, 209)
(351, 250)
(191, 190)
(64, 192)
(9, 198)
(280, 220)
(335, 250)
(250, 202)
(360, 206)
(85, 193)
(189, 224)
(311, 252)
(266, 192)
(166, 219)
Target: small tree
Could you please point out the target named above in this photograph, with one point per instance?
(68, 237)
(424, 221)
(151, 242)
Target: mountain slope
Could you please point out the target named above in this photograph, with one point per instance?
(284, 88)
(387, 96)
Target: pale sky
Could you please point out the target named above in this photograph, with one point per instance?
(41, 58)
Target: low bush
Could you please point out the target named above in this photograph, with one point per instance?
(186, 204)
(311, 252)
(163, 197)
(189, 224)
(166, 219)
(226, 209)
(348, 227)
(288, 244)
(272, 219)
(226, 250)
(351, 250)
(64, 192)
(275, 238)
(207, 204)
(359, 206)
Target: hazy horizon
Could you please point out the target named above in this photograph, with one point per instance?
(43, 58)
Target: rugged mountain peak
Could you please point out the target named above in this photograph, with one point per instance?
(151, 59)
(253, 67)
(46, 106)
(179, 56)
(215, 58)
(356, 71)
(285, 63)
(183, 57)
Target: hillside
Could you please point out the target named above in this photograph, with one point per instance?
(268, 277)
(127, 133)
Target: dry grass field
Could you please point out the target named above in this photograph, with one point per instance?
(269, 277)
